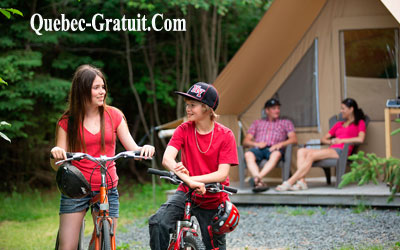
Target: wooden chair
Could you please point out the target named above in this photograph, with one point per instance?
(341, 163)
(284, 163)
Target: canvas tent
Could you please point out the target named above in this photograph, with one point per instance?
(310, 54)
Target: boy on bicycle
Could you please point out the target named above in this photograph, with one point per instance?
(208, 150)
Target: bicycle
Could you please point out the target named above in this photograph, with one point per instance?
(104, 231)
(186, 234)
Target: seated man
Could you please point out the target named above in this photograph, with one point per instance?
(267, 138)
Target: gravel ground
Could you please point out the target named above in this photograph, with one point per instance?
(281, 227)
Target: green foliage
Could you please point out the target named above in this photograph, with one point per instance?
(222, 6)
(35, 213)
(370, 247)
(71, 61)
(27, 206)
(368, 167)
(397, 130)
(299, 211)
(3, 82)
(296, 211)
(132, 208)
(2, 135)
(361, 207)
(7, 12)
(38, 69)
(28, 92)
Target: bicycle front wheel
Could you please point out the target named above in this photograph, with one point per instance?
(191, 242)
(105, 236)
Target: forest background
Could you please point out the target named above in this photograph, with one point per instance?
(143, 69)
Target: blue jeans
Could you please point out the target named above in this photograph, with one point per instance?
(163, 222)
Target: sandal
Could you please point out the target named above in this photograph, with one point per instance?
(300, 185)
(285, 186)
(252, 182)
(260, 187)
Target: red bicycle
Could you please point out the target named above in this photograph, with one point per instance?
(186, 234)
(104, 229)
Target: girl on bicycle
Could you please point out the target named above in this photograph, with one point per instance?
(90, 125)
(208, 150)
(351, 130)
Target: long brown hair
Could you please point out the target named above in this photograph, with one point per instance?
(80, 94)
(358, 113)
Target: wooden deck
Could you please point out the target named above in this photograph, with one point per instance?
(319, 193)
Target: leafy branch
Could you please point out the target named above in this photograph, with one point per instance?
(3, 124)
(7, 12)
(3, 82)
(397, 130)
(368, 167)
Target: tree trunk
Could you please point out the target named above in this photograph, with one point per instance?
(197, 50)
(149, 60)
(130, 73)
(184, 48)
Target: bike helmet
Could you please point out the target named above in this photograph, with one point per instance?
(226, 219)
(71, 182)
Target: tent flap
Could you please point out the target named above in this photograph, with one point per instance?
(263, 53)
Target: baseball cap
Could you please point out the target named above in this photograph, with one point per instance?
(272, 102)
(202, 92)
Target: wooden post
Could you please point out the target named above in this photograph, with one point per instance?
(388, 129)
(388, 141)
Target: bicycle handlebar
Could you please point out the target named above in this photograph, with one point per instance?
(211, 187)
(159, 172)
(230, 189)
(80, 156)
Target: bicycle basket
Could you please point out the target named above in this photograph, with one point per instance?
(71, 182)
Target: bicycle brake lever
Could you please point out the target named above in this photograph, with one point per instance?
(78, 156)
(173, 181)
(213, 190)
(226, 192)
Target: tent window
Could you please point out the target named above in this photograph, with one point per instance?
(369, 60)
(298, 94)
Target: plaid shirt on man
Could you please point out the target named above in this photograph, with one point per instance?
(271, 132)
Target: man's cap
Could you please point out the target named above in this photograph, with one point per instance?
(202, 92)
(272, 102)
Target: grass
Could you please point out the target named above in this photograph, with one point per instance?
(395, 246)
(295, 211)
(360, 208)
(29, 220)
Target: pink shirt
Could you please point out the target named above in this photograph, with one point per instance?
(271, 132)
(350, 131)
(222, 150)
(93, 147)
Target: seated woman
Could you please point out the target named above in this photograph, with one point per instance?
(351, 130)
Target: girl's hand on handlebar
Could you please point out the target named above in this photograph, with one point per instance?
(58, 153)
(147, 151)
(179, 168)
